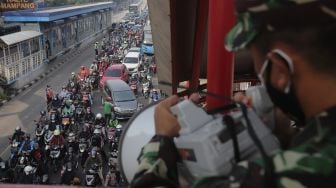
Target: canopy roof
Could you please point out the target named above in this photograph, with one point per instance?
(19, 37)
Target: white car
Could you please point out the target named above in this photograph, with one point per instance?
(132, 61)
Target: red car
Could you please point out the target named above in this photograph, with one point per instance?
(114, 72)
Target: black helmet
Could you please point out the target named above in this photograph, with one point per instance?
(43, 112)
(27, 136)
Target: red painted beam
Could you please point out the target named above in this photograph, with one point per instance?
(220, 62)
(199, 39)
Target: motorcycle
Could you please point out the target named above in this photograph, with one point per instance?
(86, 100)
(79, 113)
(23, 161)
(93, 80)
(68, 123)
(39, 133)
(145, 90)
(92, 178)
(110, 135)
(13, 158)
(83, 151)
(55, 155)
(134, 87)
(47, 138)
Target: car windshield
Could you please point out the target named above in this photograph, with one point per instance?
(121, 96)
(113, 73)
(148, 43)
(132, 60)
(134, 50)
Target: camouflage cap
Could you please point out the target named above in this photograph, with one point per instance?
(255, 16)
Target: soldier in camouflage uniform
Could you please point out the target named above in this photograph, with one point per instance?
(293, 45)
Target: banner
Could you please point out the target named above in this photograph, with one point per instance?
(8, 5)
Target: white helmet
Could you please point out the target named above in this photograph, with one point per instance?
(119, 126)
(97, 131)
(28, 169)
(57, 132)
(99, 116)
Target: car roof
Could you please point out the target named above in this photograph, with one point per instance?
(132, 54)
(134, 49)
(117, 85)
(116, 66)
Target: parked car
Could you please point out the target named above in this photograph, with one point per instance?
(123, 99)
(132, 61)
(115, 72)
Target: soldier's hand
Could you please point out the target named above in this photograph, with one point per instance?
(165, 122)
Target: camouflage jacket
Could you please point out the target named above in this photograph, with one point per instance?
(311, 162)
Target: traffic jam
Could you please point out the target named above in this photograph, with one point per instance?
(75, 142)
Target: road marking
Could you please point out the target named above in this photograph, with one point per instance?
(5, 151)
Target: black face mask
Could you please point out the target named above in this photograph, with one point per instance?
(286, 101)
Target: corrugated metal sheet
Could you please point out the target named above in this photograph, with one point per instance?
(19, 36)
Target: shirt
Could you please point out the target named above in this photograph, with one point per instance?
(311, 162)
(107, 107)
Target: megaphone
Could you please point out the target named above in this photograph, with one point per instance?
(137, 133)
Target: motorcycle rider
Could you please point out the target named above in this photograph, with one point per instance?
(97, 139)
(83, 72)
(99, 120)
(58, 140)
(38, 161)
(56, 102)
(85, 133)
(18, 135)
(67, 174)
(68, 109)
(110, 179)
(95, 158)
(27, 145)
(89, 115)
(154, 96)
(49, 96)
(94, 67)
(96, 48)
(71, 142)
(6, 173)
(43, 119)
(63, 94)
(28, 175)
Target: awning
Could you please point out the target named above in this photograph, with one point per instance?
(19, 37)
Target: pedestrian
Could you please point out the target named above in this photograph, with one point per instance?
(47, 48)
(96, 48)
(108, 109)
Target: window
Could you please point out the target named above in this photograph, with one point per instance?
(121, 96)
(25, 48)
(107, 90)
(34, 45)
(113, 73)
(131, 60)
(1, 52)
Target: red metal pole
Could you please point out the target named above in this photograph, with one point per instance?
(201, 24)
(220, 61)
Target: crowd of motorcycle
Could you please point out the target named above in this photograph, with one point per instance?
(69, 139)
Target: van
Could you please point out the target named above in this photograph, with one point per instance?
(124, 102)
(132, 61)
